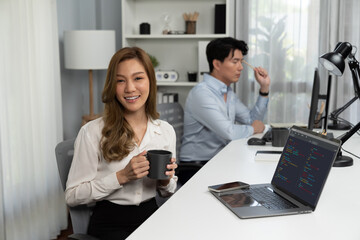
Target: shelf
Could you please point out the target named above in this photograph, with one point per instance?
(176, 84)
(174, 52)
(175, 36)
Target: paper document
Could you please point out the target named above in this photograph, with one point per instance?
(270, 156)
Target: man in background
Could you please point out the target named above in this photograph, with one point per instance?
(214, 115)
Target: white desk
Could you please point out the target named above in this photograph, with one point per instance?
(193, 213)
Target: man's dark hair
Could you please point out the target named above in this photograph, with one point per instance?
(220, 48)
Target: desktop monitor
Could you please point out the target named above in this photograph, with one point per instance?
(313, 117)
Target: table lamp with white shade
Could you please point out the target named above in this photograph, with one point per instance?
(89, 50)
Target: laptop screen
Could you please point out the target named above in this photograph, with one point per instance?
(304, 165)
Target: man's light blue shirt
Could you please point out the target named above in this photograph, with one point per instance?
(210, 123)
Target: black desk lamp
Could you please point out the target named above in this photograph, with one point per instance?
(335, 63)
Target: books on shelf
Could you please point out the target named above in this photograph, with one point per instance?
(166, 97)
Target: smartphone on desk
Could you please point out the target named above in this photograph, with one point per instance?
(228, 186)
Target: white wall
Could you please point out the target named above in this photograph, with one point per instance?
(83, 15)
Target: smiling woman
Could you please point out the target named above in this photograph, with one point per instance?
(110, 165)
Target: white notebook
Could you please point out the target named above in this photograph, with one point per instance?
(268, 155)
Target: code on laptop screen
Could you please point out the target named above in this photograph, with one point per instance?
(304, 166)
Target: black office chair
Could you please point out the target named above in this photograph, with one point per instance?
(80, 215)
(173, 113)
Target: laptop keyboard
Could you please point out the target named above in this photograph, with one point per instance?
(269, 199)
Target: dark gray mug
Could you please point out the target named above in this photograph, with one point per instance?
(279, 136)
(158, 159)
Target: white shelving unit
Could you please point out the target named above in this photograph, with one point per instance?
(178, 52)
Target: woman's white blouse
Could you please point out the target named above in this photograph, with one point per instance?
(92, 178)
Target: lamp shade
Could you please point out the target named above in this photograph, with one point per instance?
(335, 61)
(88, 49)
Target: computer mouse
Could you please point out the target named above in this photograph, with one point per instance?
(256, 141)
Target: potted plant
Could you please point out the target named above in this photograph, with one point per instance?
(154, 61)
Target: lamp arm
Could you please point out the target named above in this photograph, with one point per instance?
(355, 72)
(351, 132)
(336, 113)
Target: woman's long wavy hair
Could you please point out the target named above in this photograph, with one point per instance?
(117, 139)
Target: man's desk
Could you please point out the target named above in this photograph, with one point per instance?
(193, 213)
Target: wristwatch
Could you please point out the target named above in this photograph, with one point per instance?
(263, 94)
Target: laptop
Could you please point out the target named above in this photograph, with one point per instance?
(297, 183)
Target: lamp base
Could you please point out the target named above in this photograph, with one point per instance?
(343, 161)
(339, 126)
(88, 118)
